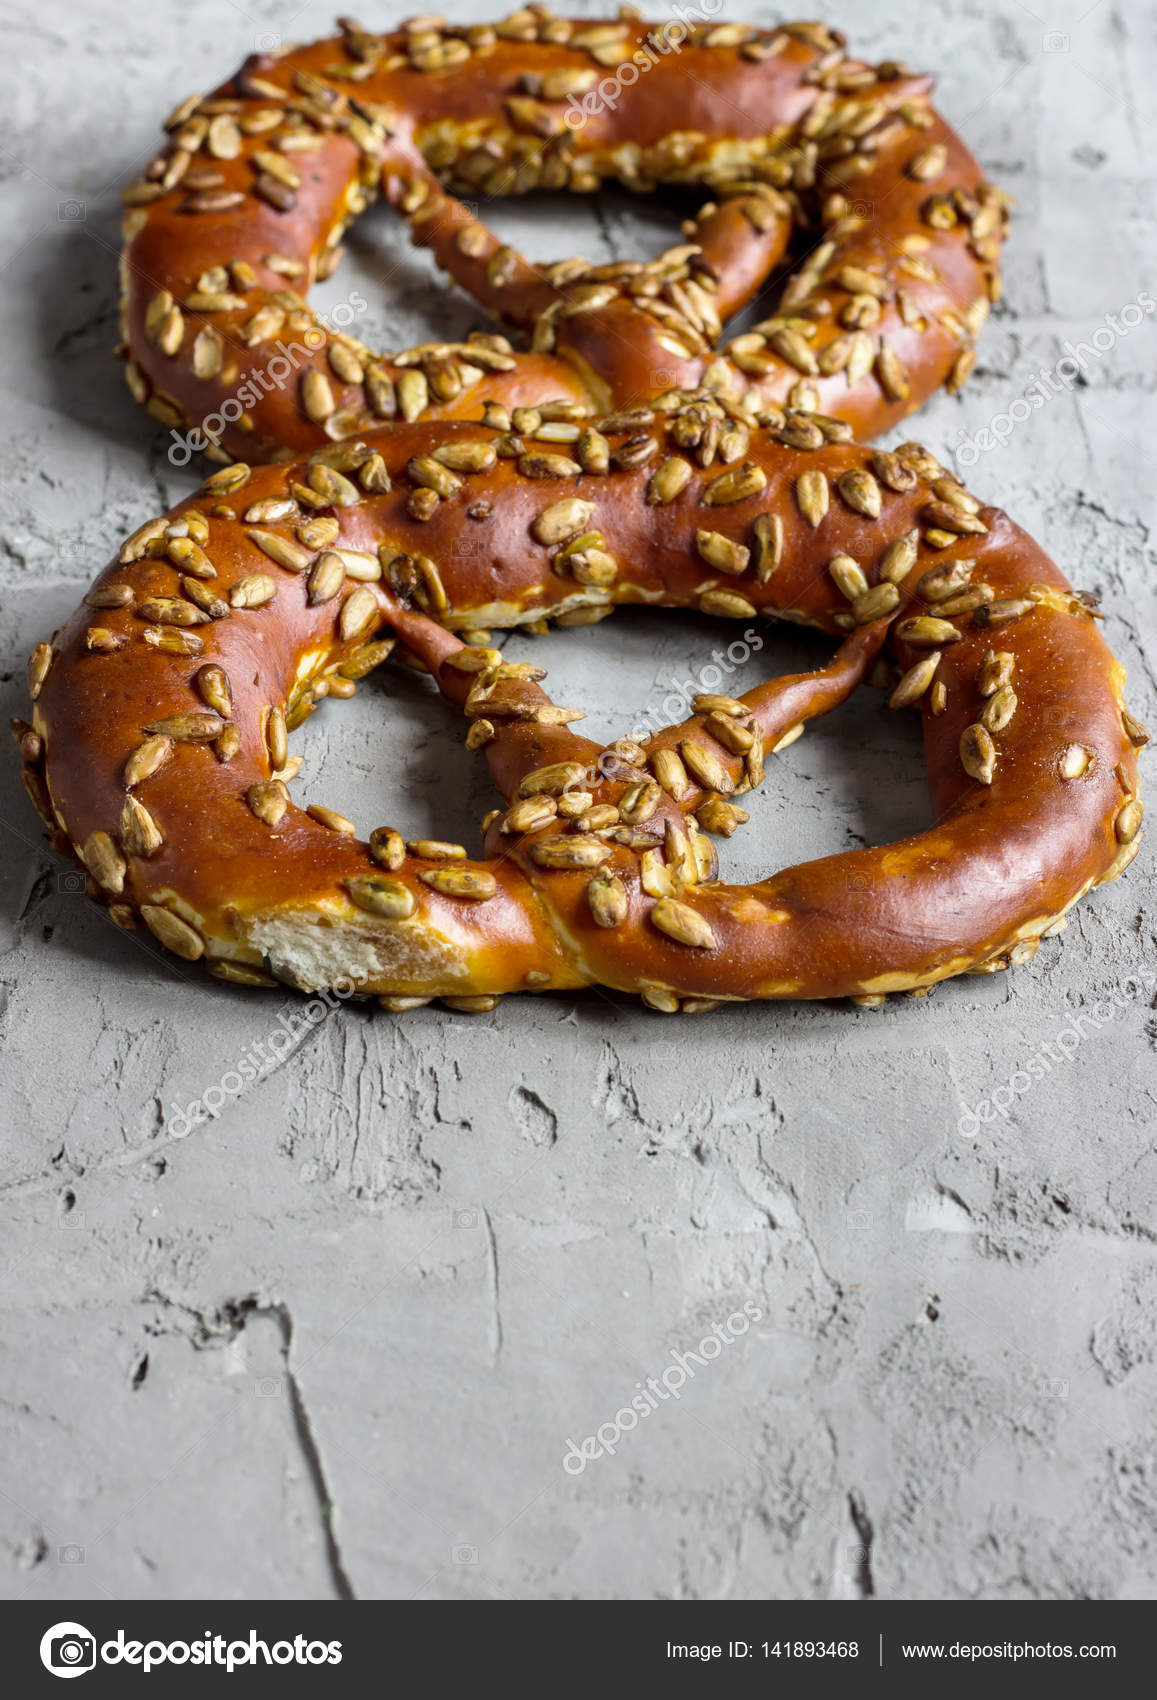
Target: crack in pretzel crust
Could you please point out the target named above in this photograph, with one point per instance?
(407, 504)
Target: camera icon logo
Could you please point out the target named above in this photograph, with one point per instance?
(67, 1649)
(71, 212)
(71, 883)
(465, 1218)
(465, 1555)
(1056, 42)
(269, 1387)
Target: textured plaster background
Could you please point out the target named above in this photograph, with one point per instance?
(335, 1341)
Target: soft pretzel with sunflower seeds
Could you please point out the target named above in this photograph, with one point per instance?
(158, 750)
(837, 173)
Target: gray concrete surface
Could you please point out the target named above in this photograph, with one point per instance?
(336, 1341)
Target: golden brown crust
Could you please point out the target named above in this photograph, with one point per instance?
(1011, 849)
(627, 457)
(897, 232)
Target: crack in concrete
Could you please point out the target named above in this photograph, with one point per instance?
(222, 1325)
(495, 1306)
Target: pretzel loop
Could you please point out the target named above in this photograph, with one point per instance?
(633, 455)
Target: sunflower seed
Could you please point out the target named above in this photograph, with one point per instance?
(140, 834)
(134, 547)
(705, 767)
(188, 728)
(726, 603)
(1128, 821)
(326, 577)
(176, 935)
(860, 491)
(995, 671)
(569, 851)
(225, 481)
(978, 754)
(252, 591)
(925, 632)
(669, 479)
(317, 397)
(330, 818)
(38, 664)
(682, 923)
(101, 641)
(553, 780)
(670, 772)
(574, 804)
(892, 472)
(413, 394)
(474, 883)
(213, 687)
(593, 451)
(528, 815)
(734, 737)
(849, 577)
(275, 738)
(1001, 612)
(206, 598)
(548, 466)
(607, 899)
(945, 517)
(147, 759)
(1076, 761)
(318, 532)
(104, 862)
(271, 511)
(735, 485)
(389, 899)
(281, 550)
(928, 163)
(639, 802)
(110, 596)
(721, 553)
(268, 800)
(944, 581)
(562, 520)
(874, 604)
(358, 611)
(436, 850)
(892, 374)
(999, 709)
(387, 847)
(812, 496)
(1134, 730)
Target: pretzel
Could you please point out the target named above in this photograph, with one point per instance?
(836, 174)
(158, 750)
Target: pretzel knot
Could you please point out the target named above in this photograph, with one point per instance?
(626, 458)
